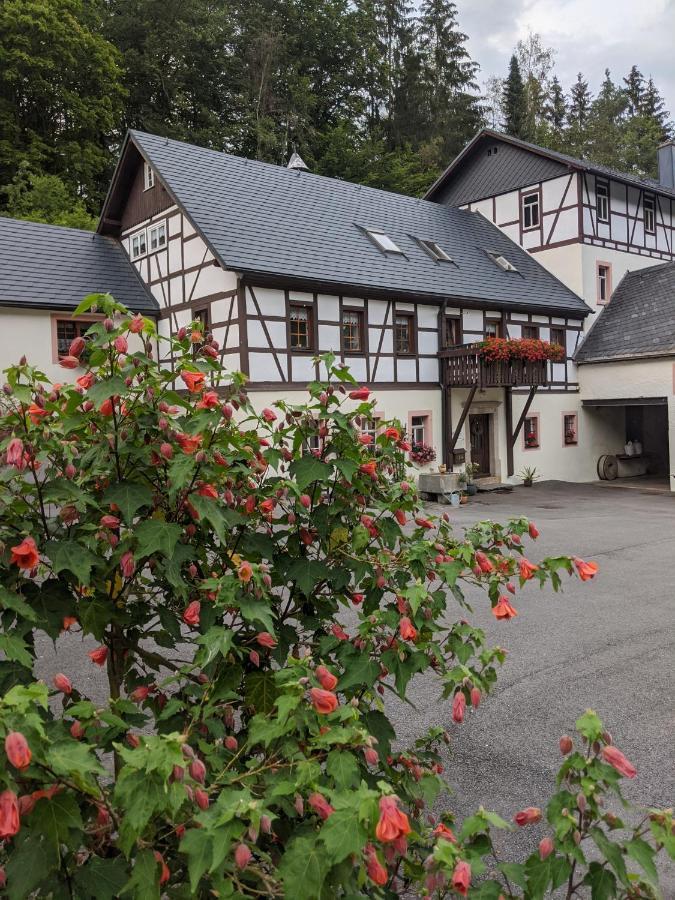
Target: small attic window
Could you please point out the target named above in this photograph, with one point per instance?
(383, 241)
(434, 251)
(501, 261)
(148, 177)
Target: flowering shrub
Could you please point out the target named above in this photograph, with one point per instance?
(497, 349)
(251, 603)
(422, 454)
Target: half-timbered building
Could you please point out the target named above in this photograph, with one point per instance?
(589, 225)
(282, 265)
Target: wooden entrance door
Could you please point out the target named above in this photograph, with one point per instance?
(479, 430)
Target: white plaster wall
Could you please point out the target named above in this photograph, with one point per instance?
(29, 333)
(633, 379)
(620, 261)
(566, 264)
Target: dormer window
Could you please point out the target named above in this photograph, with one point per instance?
(383, 242)
(435, 252)
(148, 177)
(501, 261)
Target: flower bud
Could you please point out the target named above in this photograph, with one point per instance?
(231, 743)
(242, 856)
(201, 799)
(63, 683)
(545, 848)
(566, 744)
(197, 770)
(108, 324)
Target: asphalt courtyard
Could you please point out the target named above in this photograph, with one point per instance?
(608, 644)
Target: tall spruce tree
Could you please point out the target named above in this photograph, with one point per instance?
(634, 89)
(576, 137)
(450, 77)
(654, 107)
(555, 108)
(513, 101)
(605, 124)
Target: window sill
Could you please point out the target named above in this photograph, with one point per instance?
(303, 351)
(531, 227)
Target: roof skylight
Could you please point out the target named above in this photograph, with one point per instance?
(383, 241)
(434, 251)
(501, 261)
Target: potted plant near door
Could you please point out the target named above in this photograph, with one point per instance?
(471, 470)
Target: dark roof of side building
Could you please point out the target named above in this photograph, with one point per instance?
(550, 156)
(266, 220)
(50, 267)
(639, 320)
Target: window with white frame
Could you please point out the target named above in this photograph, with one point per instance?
(419, 426)
(604, 282)
(602, 201)
(434, 250)
(500, 260)
(369, 425)
(139, 246)
(531, 211)
(148, 177)
(649, 214)
(157, 236)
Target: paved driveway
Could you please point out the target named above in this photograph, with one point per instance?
(608, 644)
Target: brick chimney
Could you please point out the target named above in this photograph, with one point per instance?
(666, 154)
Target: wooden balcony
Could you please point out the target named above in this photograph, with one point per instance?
(464, 367)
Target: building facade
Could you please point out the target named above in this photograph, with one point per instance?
(283, 265)
(589, 226)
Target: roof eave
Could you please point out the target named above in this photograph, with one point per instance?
(625, 357)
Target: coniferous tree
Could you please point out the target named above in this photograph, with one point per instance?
(578, 112)
(654, 107)
(513, 102)
(605, 124)
(634, 89)
(449, 76)
(555, 108)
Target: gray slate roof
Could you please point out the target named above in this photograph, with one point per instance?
(571, 161)
(268, 220)
(639, 320)
(46, 266)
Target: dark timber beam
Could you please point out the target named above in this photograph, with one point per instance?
(523, 415)
(462, 418)
(508, 407)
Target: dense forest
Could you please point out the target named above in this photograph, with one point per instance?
(383, 92)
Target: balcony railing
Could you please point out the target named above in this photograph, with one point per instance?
(464, 367)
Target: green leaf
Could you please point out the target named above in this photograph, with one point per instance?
(155, 536)
(129, 497)
(261, 691)
(377, 724)
(359, 669)
(538, 873)
(141, 795)
(58, 819)
(307, 573)
(71, 556)
(343, 768)
(515, 872)
(589, 725)
(101, 879)
(254, 609)
(210, 510)
(144, 881)
(307, 469)
(10, 600)
(303, 868)
(343, 833)
(643, 854)
(197, 845)
(611, 852)
(602, 882)
(76, 761)
(29, 865)
(102, 390)
(14, 649)
(216, 641)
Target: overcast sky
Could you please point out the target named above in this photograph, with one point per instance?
(589, 36)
